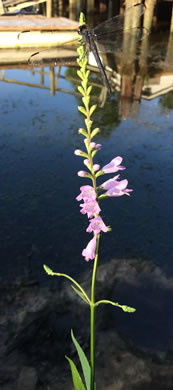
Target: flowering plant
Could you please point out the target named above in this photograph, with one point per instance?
(90, 196)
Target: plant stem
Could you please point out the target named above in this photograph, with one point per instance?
(92, 317)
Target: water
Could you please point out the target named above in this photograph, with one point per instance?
(40, 218)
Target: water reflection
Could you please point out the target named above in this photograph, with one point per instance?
(40, 221)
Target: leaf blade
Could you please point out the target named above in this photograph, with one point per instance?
(83, 360)
(77, 381)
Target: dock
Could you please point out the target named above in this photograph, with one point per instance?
(21, 31)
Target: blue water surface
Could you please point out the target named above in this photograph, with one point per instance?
(40, 218)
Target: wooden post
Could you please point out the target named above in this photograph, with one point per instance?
(171, 27)
(49, 8)
(148, 14)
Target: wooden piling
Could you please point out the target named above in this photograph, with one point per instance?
(49, 8)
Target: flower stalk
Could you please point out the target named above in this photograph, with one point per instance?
(90, 196)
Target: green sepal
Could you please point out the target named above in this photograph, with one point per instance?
(94, 132)
(83, 154)
(99, 173)
(81, 90)
(79, 73)
(80, 294)
(83, 132)
(93, 108)
(94, 153)
(88, 176)
(82, 110)
(87, 74)
(103, 196)
(84, 83)
(89, 89)
(83, 360)
(86, 100)
(88, 123)
(77, 381)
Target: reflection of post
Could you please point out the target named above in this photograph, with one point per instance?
(57, 77)
(49, 8)
(41, 76)
(148, 15)
(132, 19)
(169, 54)
(72, 9)
(90, 5)
(60, 7)
(52, 81)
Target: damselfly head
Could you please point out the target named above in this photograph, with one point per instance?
(82, 28)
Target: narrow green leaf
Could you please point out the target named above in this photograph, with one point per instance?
(48, 270)
(128, 309)
(83, 132)
(83, 360)
(82, 110)
(82, 18)
(93, 108)
(77, 381)
(81, 90)
(94, 132)
(80, 294)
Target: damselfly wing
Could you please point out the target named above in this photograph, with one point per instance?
(107, 37)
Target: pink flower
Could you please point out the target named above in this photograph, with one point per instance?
(87, 193)
(114, 165)
(110, 183)
(90, 251)
(97, 225)
(90, 208)
(119, 189)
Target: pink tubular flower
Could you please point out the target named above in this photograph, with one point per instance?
(114, 165)
(87, 193)
(119, 189)
(110, 183)
(90, 208)
(97, 225)
(90, 251)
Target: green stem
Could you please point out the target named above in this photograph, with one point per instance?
(92, 317)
